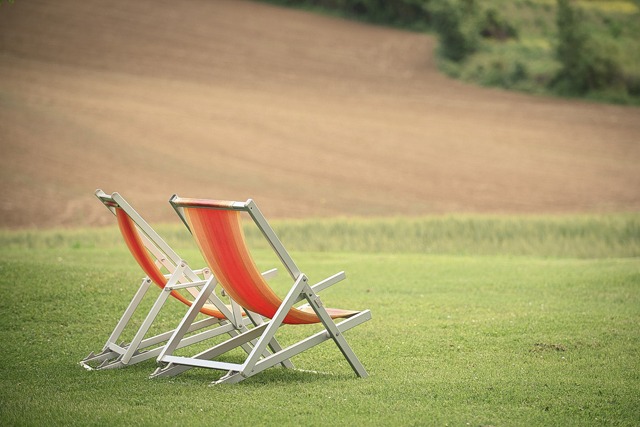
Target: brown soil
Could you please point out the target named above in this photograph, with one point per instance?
(308, 115)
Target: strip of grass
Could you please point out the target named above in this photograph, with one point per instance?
(577, 236)
(457, 338)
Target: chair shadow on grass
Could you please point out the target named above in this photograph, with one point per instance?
(273, 376)
(206, 377)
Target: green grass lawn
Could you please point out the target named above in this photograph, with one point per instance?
(517, 330)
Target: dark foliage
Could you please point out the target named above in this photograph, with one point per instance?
(587, 64)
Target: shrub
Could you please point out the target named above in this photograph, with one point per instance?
(587, 63)
(490, 70)
(456, 25)
(397, 12)
(495, 26)
(403, 13)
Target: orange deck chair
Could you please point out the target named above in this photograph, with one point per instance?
(216, 227)
(154, 255)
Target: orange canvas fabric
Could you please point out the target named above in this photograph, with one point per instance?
(219, 235)
(141, 255)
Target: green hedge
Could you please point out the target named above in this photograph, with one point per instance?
(402, 13)
(568, 47)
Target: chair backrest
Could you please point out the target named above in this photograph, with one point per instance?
(138, 249)
(217, 229)
(142, 241)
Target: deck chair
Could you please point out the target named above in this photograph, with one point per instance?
(216, 227)
(181, 283)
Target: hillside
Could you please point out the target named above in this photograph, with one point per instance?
(309, 115)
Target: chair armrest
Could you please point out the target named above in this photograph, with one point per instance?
(186, 285)
(324, 284)
(269, 274)
(332, 280)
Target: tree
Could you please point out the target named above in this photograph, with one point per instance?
(456, 25)
(586, 64)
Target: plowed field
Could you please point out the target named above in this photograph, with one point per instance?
(308, 115)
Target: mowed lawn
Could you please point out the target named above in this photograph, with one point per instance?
(539, 325)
